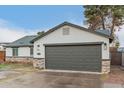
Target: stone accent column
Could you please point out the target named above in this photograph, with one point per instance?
(105, 66)
(39, 63)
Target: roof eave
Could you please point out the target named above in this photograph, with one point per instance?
(19, 46)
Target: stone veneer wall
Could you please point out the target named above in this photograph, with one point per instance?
(37, 62)
(105, 66)
(19, 59)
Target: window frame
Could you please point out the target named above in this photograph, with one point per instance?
(31, 51)
(15, 52)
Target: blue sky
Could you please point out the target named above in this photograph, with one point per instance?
(41, 17)
(18, 21)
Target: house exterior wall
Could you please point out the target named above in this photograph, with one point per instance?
(19, 59)
(75, 36)
(1, 48)
(23, 55)
(8, 52)
(22, 52)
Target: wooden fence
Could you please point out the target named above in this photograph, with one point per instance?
(2, 56)
(116, 57)
(123, 59)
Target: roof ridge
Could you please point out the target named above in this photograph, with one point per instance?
(23, 37)
(19, 39)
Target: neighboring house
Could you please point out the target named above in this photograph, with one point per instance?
(2, 51)
(2, 44)
(20, 50)
(72, 47)
(121, 49)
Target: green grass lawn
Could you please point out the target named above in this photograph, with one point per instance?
(3, 66)
(14, 66)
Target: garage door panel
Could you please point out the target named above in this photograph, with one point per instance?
(64, 60)
(73, 62)
(74, 66)
(79, 68)
(67, 66)
(85, 58)
(65, 55)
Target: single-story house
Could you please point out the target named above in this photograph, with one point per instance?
(20, 50)
(72, 47)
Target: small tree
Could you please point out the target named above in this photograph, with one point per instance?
(117, 44)
(40, 33)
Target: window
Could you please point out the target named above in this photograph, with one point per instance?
(15, 51)
(38, 49)
(31, 51)
(65, 31)
(38, 45)
(38, 53)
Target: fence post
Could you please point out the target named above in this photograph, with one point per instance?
(122, 58)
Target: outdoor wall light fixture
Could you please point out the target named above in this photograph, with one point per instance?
(105, 46)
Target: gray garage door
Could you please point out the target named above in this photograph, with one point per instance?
(80, 57)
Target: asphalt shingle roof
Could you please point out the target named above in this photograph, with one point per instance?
(24, 41)
(105, 32)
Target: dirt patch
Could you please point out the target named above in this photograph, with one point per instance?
(116, 76)
(9, 66)
(9, 70)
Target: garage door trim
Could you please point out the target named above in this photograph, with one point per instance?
(75, 44)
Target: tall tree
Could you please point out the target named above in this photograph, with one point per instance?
(104, 17)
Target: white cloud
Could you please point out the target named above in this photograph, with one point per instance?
(120, 35)
(9, 33)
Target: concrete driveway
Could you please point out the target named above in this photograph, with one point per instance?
(28, 78)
